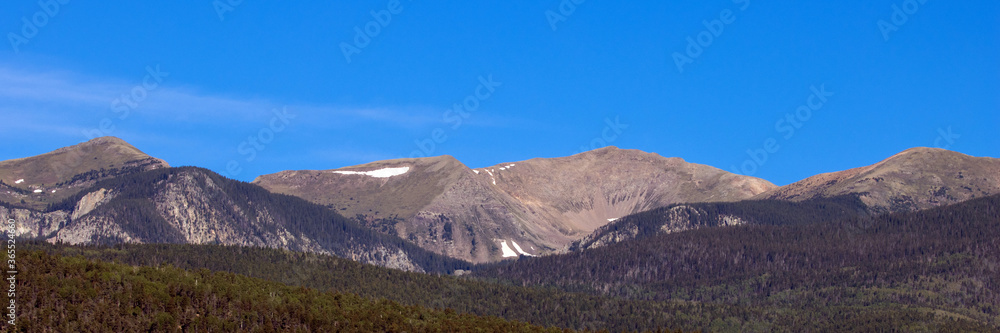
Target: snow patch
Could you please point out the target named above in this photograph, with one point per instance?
(19, 181)
(507, 252)
(53, 191)
(380, 173)
(612, 220)
(519, 250)
(476, 171)
(491, 176)
(38, 191)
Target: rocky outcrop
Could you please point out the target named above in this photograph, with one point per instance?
(34, 224)
(90, 201)
(675, 219)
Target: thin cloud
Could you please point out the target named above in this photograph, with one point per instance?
(84, 98)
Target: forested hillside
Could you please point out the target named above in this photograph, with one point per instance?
(545, 307)
(916, 270)
(74, 294)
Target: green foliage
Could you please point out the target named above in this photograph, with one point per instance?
(75, 294)
(543, 307)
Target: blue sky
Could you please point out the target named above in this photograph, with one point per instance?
(192, 83)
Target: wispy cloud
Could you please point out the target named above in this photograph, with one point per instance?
(187, 125)
(75, 100)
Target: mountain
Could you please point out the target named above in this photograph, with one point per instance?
(196, 206)
(917, 178)
(532, 207)
(37, 181)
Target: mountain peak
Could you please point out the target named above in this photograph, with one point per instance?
(109, 148)
(61, 172)
(924, 150)
(441, 160)
(916, 178)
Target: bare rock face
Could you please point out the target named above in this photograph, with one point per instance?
(917, 178)
(34, 224)
(675, 219)
(92, 229)
(385, 257)
(540, 204)
(89, 202)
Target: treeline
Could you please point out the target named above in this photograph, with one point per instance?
(543, 307)
(74, 294)
(906, 266)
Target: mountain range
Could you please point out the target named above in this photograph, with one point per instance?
(606, 239)
(423, 213)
